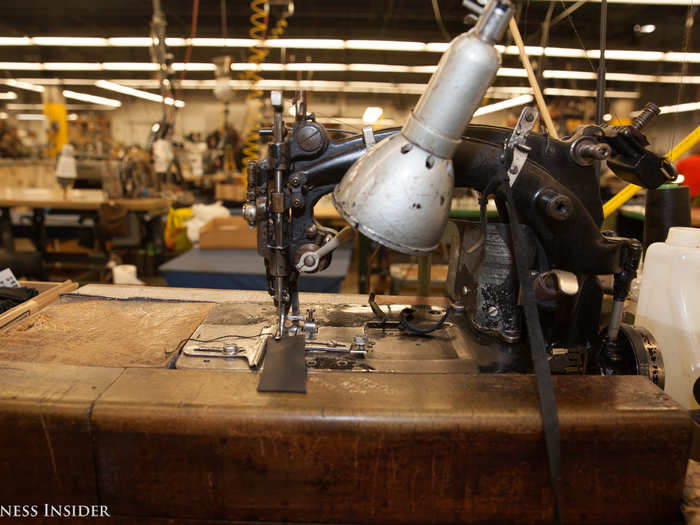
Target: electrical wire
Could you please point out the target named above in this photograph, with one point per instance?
(439, 21)
(188, 53)
(186, 340)
(259, 20)
(224, 22)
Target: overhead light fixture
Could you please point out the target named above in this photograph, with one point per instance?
(194, 66)
(8, 95)
(574, 75)
(680, 108)
(84, 97)
(21, 66)
(635, 56)
(369, 45)
(130, 66)
(645, 29)
(130, 41)
(591, 93)
(385, 45)
(512, 72)
(505, 104)
(72, 66)
(677, 108)
(30, 116)
(72, 116)
(24, 85)
(69, 107)
(607, 117)
(15, 41)
(372, 115)
(3, 115)
(356, 121)
(69, 41)
(126, 90)
(306, 43)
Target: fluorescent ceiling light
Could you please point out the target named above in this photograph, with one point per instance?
(3, 115)
(84, 97)
(306, 43)
(8, 95)
(385, 45)
(512, 72)
(69, 41)
(303, 66)
(505, 104)
(130, 41)
(636, 56)
(72, 116)
(126, 90)
(679, 108)
(609, 93)
(69, 107)
(15, 41)
(24, 85)
(194, 66)
(176, 42)
(437, 47)
(72, 66)
(371, 45)
(372, 115)
(645, 29)
(130, 66)
(354, 121)
(21, 66)
(30, 116)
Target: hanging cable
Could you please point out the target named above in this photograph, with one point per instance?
(259, 20)
(188, 53)
(439, 21)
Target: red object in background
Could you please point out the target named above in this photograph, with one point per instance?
(689, 167)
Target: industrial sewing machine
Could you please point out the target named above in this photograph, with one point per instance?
(525, 290)
(555, 194)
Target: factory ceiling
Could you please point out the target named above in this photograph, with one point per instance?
(436, 21)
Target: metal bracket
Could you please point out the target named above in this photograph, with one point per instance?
(516, 148)
(368, 137)
(310, 261)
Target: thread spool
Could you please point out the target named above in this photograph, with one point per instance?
(666, 206)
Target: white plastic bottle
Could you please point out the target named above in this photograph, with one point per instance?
(669, 307)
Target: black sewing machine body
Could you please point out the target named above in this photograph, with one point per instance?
(558, 203)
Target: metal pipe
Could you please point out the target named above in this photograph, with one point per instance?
(615, 320)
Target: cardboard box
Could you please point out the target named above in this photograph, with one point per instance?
(227, 233)
(231, 192)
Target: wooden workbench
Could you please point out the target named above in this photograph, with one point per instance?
(73, 200)
(154, 443)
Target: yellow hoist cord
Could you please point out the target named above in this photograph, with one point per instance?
(259, 20)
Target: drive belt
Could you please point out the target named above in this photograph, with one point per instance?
(545, 388)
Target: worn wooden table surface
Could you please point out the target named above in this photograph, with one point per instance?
(73, 200)
(155, 443)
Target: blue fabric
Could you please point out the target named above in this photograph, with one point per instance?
(245, 270)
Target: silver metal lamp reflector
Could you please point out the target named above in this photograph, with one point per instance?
(400, 192)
